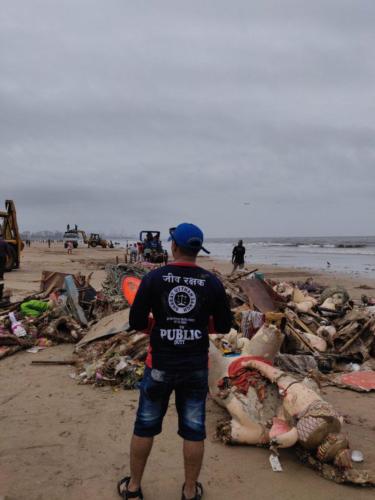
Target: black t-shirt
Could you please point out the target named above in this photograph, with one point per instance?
(181, 298)
(239, 254)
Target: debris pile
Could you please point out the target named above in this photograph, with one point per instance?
(118, 360)
(68, 309)
(110, 354)
(322, 323)
(112, 285)
(54, 315)
(272, 408)
(289, 340)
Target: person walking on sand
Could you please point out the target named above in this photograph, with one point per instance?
(133, 253)
(238, 256)
(69, 246)
(139, 251)
(182, 297)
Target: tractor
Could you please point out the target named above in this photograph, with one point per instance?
(96, 240)
(152, 248)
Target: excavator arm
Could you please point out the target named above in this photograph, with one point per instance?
(10, 232)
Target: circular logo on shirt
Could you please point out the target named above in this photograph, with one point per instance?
(182, 299)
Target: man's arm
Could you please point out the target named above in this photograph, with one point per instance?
(141, 308)
(234, 254)
(222, 315)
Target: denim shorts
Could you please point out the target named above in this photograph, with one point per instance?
(190, 394)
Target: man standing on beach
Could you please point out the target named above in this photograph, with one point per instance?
(238, 256)
(182, 297)
(70, 247)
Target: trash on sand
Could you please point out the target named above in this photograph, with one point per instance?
(34, 308)
(109, 325)
(17, 327)
(35, 349)
(362, 381)
(275, 463)
(271, 388)
(357, 456)
(68, 309)
(73, 300)
(40, 321)
(288, 339)
(118, 360)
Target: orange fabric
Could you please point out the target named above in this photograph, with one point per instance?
(129, 287)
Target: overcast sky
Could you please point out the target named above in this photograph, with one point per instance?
(123, 115)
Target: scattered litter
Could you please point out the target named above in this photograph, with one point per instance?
(108, 326)
(357, 456)
(275, 463)
(363, 381)
(66, 310)
(288, 340)
(271, 388)
(35, 349)
(16, 326)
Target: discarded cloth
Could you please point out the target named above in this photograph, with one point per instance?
(251, 322)
(34, 308)
(244, 378)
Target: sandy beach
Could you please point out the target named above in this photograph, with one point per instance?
(64, 441)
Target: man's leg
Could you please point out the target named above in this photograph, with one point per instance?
(139, 452)
(235, 265)
(153, 404)
(193, 457)
(191, 394)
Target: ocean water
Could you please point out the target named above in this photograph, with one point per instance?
(355, 256)
(349, 255)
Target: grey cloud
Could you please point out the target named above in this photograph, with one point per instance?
(127, 114)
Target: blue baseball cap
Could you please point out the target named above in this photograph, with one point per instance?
(187, 235)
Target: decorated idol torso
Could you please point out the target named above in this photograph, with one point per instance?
(270, 407)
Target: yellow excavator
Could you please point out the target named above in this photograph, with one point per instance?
(96, 240)
(10, 233)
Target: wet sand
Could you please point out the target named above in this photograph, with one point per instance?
(60, 440)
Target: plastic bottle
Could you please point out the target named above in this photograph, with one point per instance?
(17, 327)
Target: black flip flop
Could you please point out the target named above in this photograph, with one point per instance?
(198, 492)
(125, 494)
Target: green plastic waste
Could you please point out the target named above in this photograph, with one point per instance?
(34, 308)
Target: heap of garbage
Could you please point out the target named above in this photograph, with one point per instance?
(112, 354)
(116, 361)
(63, 311)
(54, 315)
(289, 340)
(324, 329)
(112, 285)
